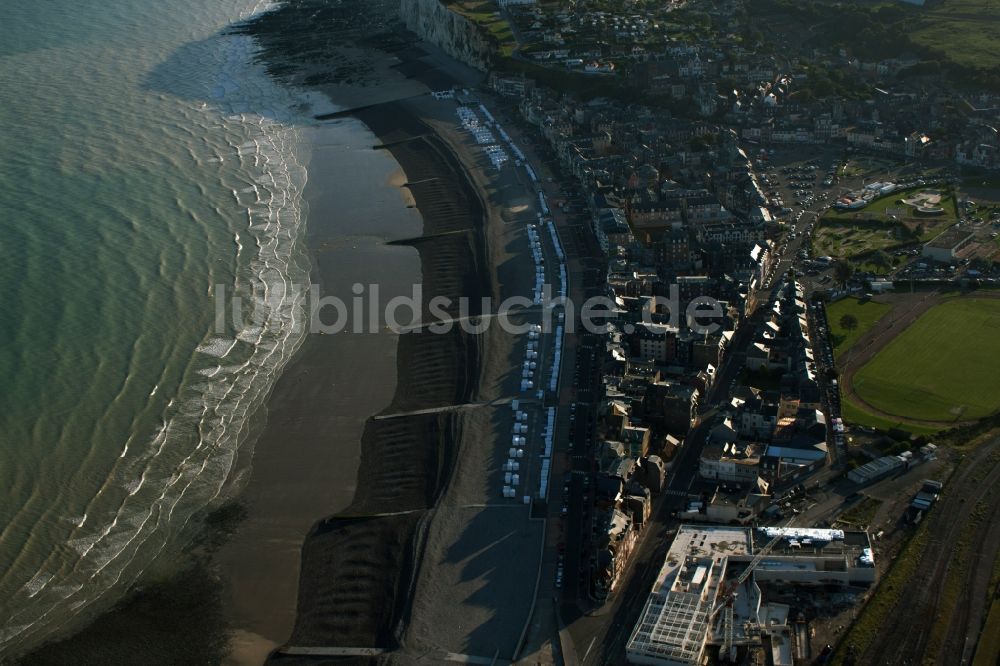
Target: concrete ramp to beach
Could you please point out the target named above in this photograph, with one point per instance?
(331, 651)
(451, 408)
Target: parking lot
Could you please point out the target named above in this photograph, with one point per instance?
(796, 180)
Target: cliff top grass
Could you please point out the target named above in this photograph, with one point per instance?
(484, 13)
(964, 31)
(958, 37)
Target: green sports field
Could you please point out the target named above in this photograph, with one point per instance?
(867, 314)
(856, 415)
(944, 367)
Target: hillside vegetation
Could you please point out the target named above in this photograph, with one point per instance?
(958, 37)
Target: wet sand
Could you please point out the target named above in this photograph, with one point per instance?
(357, 566)
(305, 463)
(429, 558)
(321, 462)
(473, 590)
(338, 506)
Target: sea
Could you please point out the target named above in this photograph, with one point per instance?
(147, 164)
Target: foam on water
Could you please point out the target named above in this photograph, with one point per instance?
(156, 487)
(37, 584)
(217, 347)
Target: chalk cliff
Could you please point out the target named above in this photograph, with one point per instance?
(456, 35)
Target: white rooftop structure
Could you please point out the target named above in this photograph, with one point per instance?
(677, 624)
(674, 625)
(804, 533)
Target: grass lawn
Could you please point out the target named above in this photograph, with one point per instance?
(988, 650)
(856, 415)
(964, 30)
(485, 14)
(944, 367)
(878, 611)
(867, 314)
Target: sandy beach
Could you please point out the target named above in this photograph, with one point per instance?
(305, 463)
(364, 525)
(474, 589)
(429, 558)
(356, 565)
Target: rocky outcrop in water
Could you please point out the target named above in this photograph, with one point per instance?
(456, 35)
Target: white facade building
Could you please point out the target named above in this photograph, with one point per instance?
(678, 625)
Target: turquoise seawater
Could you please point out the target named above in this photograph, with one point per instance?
(144, 159)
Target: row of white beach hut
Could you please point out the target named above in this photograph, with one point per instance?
(503, 134)
(512, 468)
(536, 255)
(515, 454)
(470, 122)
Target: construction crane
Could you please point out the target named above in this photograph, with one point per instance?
(726, 598)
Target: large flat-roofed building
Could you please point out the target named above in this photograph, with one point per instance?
(678, 624)
(807, 556)
(674, 625)
(875, 469)
(945, 247)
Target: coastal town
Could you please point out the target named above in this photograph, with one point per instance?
(710, 497)
(744, 410)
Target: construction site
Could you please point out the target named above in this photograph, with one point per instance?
(725, 591)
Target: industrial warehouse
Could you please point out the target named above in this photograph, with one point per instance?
(712, 590)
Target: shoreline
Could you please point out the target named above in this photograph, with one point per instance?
(306, 454)
(392, 569)
(420, 563)
(360, 578)
(357, 567)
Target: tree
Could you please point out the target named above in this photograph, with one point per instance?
(698, 144)
(849, 322)
(980, 264)
(881, 259)
(842, 272)
(822, 87)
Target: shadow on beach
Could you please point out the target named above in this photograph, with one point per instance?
(355, 52)
(358, 566)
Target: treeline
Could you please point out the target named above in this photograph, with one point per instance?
(871, 33)
(567, 81)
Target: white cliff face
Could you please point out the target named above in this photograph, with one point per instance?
(454, 34)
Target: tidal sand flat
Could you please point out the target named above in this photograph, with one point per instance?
(305, 462)
(324, 543)
(357, 566)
